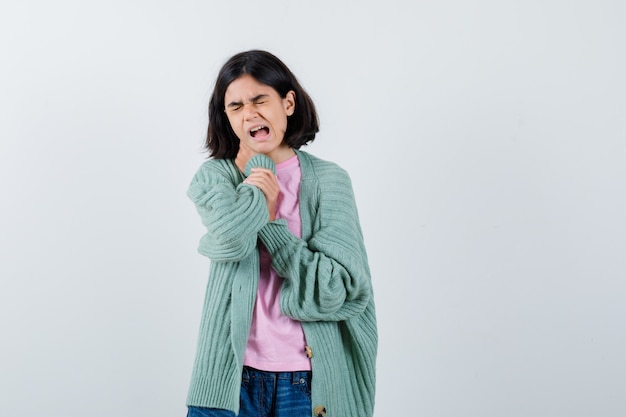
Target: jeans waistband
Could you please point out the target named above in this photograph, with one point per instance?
(294, 376)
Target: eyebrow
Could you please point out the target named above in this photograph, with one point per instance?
(253, 100)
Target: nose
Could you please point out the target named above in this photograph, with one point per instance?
(249, 111)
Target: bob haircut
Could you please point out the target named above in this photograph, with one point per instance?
(302, 125)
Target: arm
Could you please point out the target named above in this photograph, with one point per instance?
(327, 277)
(232, 213)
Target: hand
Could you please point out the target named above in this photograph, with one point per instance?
(267, 182)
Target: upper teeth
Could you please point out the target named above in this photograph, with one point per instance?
(254, 129)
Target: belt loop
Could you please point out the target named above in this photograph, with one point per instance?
(245, 375)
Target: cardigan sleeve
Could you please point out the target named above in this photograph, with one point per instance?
(327, 277)
(232, 212)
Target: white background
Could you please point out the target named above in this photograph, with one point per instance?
(487, 145)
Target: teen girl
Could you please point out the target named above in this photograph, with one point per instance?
(288, 326)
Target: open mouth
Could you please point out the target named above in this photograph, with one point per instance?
(259, 132)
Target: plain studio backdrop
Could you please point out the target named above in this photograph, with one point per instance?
(486, 141)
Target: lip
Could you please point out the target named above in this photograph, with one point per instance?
(257, 125)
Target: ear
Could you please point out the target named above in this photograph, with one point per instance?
(289, 102)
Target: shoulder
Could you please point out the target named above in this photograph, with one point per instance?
(321, 169)
(215, 168)
(215, 165)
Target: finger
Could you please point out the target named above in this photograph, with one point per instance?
(267, 187)
(266, 183)
(262, 171)
(259, 181)
(264, 175)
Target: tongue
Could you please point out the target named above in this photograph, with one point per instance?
(261, 133)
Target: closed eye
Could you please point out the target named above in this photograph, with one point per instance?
(261, 99)
(256, 101)
(234, 106)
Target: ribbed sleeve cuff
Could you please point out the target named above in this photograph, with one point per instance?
(260, 161)
(275, 235)
(205, 392)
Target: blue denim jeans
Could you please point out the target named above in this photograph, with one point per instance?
(268, 394)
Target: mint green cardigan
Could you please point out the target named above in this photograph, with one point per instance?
(327, 284)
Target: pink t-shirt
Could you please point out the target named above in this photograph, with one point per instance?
(276, 342)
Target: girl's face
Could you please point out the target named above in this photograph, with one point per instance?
(258, 116)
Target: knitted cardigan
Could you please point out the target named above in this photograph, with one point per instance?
(327, 285)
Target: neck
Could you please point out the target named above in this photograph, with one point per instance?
(281, 154)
